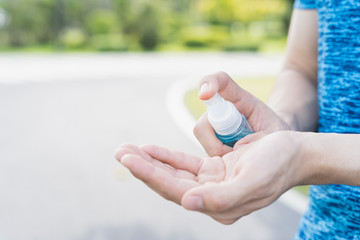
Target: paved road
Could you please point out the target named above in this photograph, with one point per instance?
(62, 117)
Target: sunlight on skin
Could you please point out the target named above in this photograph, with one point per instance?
(225, 188)
(174, 174)
(230, 183)
(261, 87)
(169, 182)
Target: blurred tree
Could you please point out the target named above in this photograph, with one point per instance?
(72, 38)
(102, 21)
(25, 27)
(148, 26)
(59, 16)
(286, 17)
(124, 14)
(228, 11)
(142, 22)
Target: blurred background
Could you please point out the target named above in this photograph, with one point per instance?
(143, 25)
(79, 78)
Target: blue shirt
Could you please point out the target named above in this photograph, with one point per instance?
(334, 210)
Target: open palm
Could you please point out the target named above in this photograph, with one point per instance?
(173, 173)
(225, 188)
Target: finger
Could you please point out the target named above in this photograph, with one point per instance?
(219, 82)
(222, 83)
(175, 159)
(250, 138)
(131, 149)
(128, 148)
(160, 180)
(214, 197)
(250, 106)
(205, 134)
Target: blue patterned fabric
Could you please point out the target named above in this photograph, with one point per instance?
(334, 210)
(305, 4)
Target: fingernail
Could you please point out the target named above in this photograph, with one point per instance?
(118, 154)
(203, 88)
(194, 203)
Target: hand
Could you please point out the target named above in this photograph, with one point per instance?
(259, 115)
(225, 188)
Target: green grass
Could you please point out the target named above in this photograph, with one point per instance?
(302, 189)
(42, 49)
(262, 45)
(261, 87)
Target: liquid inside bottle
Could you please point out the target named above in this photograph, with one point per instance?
(229, 124)
(243, 130)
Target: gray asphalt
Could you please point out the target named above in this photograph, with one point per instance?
(58, 133)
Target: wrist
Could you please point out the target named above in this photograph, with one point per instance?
(306, 169)
(315, 168)
(292, 149)
(303, 170)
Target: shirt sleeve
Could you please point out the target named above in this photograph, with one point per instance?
(305, 4)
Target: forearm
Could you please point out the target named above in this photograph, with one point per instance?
(329, 158)
(294, 99)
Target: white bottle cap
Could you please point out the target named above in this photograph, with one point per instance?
(223, 115)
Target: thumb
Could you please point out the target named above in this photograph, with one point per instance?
(218, 82)
(212, 197)
(222, 83)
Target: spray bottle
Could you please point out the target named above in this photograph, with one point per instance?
(229, 124)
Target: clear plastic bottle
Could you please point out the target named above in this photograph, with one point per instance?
(229, 124)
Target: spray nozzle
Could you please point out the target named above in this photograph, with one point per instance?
(223, 115)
